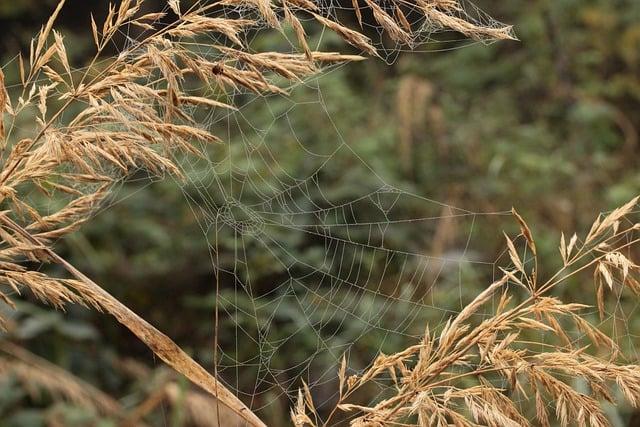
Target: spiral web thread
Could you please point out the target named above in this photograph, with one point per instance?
(359, 289)
(305, 273)
(345, 273)
(309, 263)
(371, 281)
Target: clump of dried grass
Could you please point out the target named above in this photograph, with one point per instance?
(132, 114)
(36, 374)
(491, 371)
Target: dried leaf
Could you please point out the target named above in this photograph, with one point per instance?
(3, 105)
(342, 374)
(44, 33)
(352, 37)
(94, 32)
(175, 6)
(513, 254)
(572, 244)
(356, 8)
(526, 232)
(606, 274)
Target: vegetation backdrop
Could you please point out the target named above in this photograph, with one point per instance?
(548, 124)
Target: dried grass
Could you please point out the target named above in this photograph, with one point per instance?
(36, 374)
(489, 372)
(132, 115)
(163, 388)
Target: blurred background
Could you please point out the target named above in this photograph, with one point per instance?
(548, 124)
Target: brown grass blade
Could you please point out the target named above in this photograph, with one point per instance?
(161, 345)
(526, 231)
(31, 368)
(350, 36)
(2, 106)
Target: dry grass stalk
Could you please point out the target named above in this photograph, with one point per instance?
(137, 113)
(36, 374)
(163, 388)
(4, 99)
(445, 14)
(485, 367)
(201, 410)
(89, 292)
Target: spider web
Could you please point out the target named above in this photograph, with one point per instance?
(334, 272)
(315, 254)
